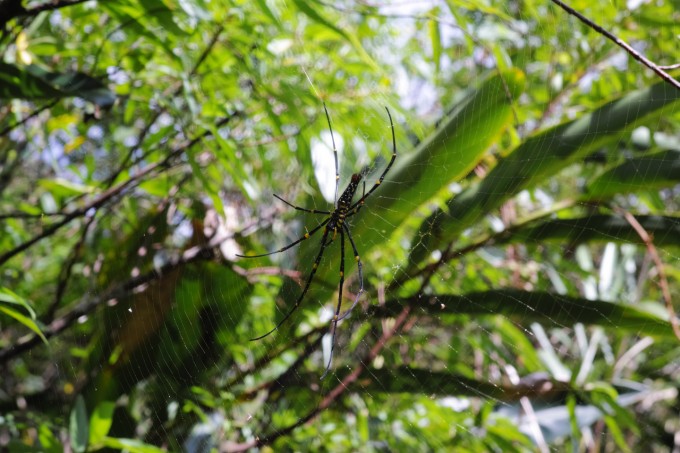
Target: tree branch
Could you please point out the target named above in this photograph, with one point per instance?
(619, 42)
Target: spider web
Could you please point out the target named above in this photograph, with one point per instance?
(565, 348)
(510, 301)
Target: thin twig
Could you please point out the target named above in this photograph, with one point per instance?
(25, 215)
(334, 394)
(67, 270)
(50, 6)
(651, 249)
(94, 204)
(619, 42)
(168, 94)
(33, 114)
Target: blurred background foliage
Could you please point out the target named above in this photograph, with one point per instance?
(520, 258)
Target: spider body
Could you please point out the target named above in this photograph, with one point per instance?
(336, 221)
(344, 206)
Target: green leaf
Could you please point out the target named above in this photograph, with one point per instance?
(28, 322)
(61, 188)
(100, 421)
(457, 145)
(350, 37)
(617, 434)
(9, 296)
(571, 410)
(597, 227)
(420, 381)
(131, 445)
(160, 13)
(548, 309)
(130, 15)
(16, 83)
(649, 172)
(523, 348)
(435, 37)
(478, 6)
(33, 82)
(48, 442)
(537, 159)
(79, 426)
(76, 84)
(605, 397)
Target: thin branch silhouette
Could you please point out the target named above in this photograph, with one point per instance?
(619, 42)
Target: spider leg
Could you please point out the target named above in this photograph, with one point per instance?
(306, 236)
(311, 211)
(334, 321)
(361, 274)
(360, 202)
(309, 282)
(335, 155)
(361, 205)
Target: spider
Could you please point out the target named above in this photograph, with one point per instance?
(335, 222)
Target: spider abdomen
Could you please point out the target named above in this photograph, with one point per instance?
(339, 215)
(345, 200)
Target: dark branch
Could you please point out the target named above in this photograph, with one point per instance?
(619, 42)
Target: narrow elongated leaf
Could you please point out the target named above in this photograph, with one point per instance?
(522, 346)
(545, 308)
(25, 320)
(650, 172)
(351, 38)
(159, 12)
(539, 158)
(9, 296)
(79, 426)
(131, 445)
(33, 82)
(101, 420)
(135, 19)
(599, 227)
(435, 38)
(446, 155)
(414, 380)
(16, 83)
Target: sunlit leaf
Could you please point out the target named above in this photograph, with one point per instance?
(100, 421)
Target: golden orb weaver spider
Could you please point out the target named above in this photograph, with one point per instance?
(336, 221)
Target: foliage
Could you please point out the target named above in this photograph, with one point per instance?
(519, 259)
